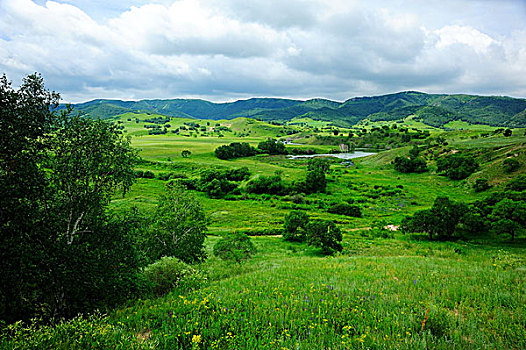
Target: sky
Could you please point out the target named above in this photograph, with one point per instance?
(224, 50)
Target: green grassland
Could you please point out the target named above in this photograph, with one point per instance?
(379, 293)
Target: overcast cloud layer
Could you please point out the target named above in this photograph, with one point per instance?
(230, 49)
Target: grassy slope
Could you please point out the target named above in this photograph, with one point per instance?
(376, 294)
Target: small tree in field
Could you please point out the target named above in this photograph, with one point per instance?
(185, 153)
(295, 225)
(235, 246)
(325, 235)
(178, 228)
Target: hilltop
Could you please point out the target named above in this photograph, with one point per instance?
(431, 109)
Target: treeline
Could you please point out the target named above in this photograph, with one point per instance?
(502, 213)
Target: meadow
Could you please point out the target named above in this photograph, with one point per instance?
(382, 291)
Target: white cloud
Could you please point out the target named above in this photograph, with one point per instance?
(230, 48)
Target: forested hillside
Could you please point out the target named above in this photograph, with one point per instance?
(432, 109)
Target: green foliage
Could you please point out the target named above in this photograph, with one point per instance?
(438, 222)
(457, 166)
(481, 185)
(169, 272)
(517, 184)
(509, 217)
(272, 147)
(185, 153)
(235, 247)
(510, 165)
(178, 228)
(409, 165)
(58, 174)
(325, 235)
(319, 164)
(235, 150)
(294, 226)
(267, 184)
(345, 209)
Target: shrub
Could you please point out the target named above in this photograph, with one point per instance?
(345, 209)
(457, 166)
(272, 146)
(267, 184)
(235, 150)
(409, 165)
(325, 235)
(165, 274)
(481, 185)
(517, 184)
(510, 165)
(235, 246)
(295, 225)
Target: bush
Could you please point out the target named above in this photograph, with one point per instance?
(325, 235)
(294, 227)
(267, 184)
(272, 147)
(481, 185)
(165, 274)
(345, 209)
(235, 246)
(510, 165)
(517, 184)
(407, 165)
(235, 150)
(457, 166)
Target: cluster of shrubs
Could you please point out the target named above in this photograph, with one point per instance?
(269, 146)
(298, 227)
(346, 209)
(457, 166)
(411, 164)
(218, 183)
(501, 213)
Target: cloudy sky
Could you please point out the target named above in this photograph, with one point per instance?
(224, 50)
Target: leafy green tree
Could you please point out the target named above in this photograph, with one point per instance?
(319, 164)
(507, 132)
(509, 217)
(235, 246)
(178, 228)
(325, 235)
(294, 227)
(517, 183)
(345, 209)
(267, 184)
(410, 165)
(185, 153)
(58, 240)
(440, 221)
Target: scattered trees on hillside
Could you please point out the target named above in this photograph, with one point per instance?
(325, 235)
(510, 165)
(411, 164)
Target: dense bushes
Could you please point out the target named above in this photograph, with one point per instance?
(235, 150)
(345, 209)
(510, 165)
(272, 147)
(267, 184)
(168, 272)
(408, 165)
(457, 166)
(325, 235)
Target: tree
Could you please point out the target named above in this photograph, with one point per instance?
(185, 153)
(234, 246)
(507, 132)
(325, 235)
(62, 251)
(509, 217)
(294, 227)
(178, 227)
(439, 221)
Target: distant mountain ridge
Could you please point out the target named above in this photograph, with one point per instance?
(432, 109)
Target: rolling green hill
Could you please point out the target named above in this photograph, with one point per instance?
(432, 109)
